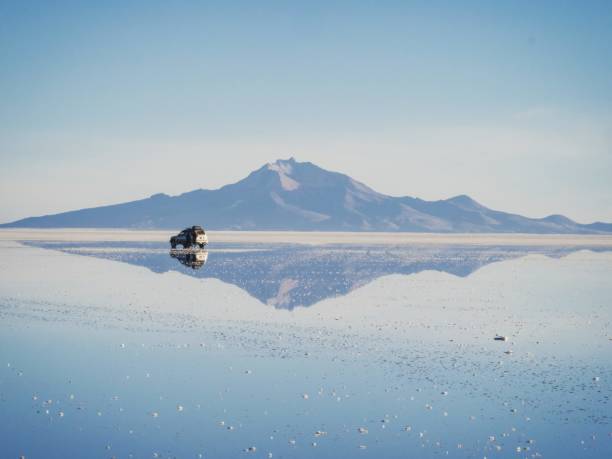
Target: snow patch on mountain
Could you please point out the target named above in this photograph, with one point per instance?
(284, 170)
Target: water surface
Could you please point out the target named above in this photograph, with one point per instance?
(119, 349)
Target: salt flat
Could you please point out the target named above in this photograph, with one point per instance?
(347, 348)
(313, 238)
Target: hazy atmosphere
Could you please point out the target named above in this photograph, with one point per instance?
(110, 102)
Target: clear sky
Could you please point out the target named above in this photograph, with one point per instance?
(509, 102)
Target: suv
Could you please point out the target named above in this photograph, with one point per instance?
(190, 237)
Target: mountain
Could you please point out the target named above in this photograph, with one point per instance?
(291, 195)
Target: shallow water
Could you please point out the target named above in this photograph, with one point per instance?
(118, 349)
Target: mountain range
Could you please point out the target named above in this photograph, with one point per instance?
(300, 196)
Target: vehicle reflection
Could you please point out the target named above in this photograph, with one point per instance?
(193, 259)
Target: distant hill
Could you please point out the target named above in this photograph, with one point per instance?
(291, 195)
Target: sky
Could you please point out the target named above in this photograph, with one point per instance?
(508, 102)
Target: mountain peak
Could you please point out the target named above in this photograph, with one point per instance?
(463, 200)
(560, 219)
(290, 160)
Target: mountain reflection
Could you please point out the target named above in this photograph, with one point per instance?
(288, 276)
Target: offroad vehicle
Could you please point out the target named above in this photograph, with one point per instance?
(190, 237)
(192, 259)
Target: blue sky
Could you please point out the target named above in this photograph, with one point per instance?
(509, 102)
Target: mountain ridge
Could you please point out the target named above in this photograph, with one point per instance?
(292, 195)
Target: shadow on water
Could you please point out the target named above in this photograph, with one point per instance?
(288, 276)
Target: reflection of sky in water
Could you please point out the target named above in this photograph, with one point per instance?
(111, 344)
